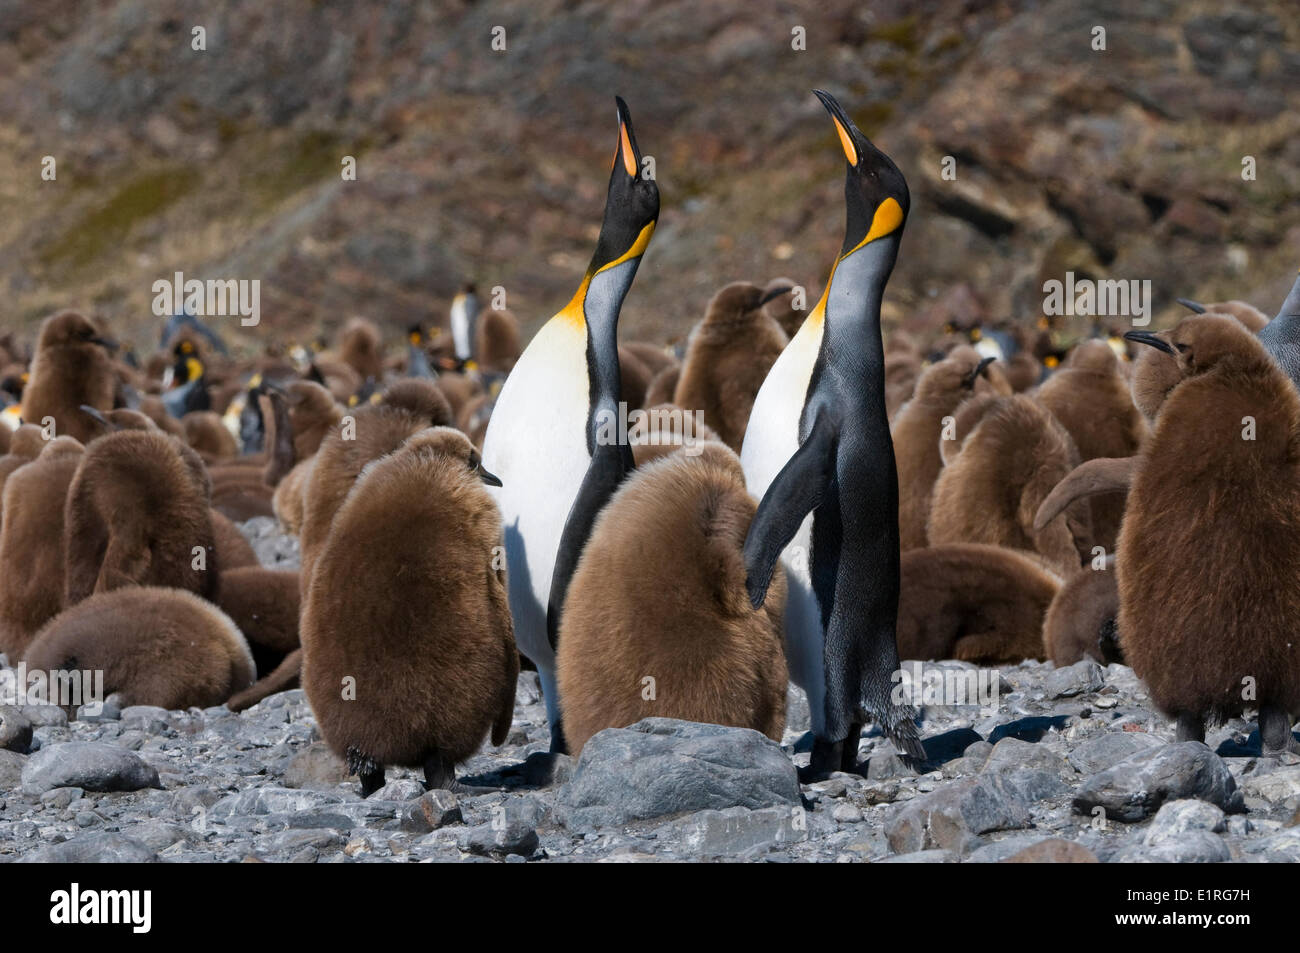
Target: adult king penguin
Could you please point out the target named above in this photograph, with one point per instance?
(819, 453)
(550, 437)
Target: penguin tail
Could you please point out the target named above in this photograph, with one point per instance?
(359, 763)
(898, 722)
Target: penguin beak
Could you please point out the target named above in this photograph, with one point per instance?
(94, 412)
(1151, 339)
(969, 380)
(491, 479)
(626, 153)
(774, 293)
(108, 344)
(843, 126)
(1193, 306)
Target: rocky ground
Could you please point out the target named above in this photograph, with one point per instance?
(1069, 764)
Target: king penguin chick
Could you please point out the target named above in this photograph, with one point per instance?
(32, 554)
(1207, 531)
(977, 603)
(1092, 400)
(25, 445)
(421, 626)
(264, 604)
(727, 358)
(137, 514)
(660, 591)
(991, 491)
(155, 646)
(920, 429)
(1080, 622)
(664, 429)
(72, 367)
(779, 293)
(548, 438)
(409, 406)
(497, 341)
(361, 348)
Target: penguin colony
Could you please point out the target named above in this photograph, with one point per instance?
(806, 496)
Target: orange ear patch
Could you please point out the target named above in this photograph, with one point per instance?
(846, 141)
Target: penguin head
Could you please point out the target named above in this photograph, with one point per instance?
(631, 204)
(1201, 342)
(70, 329)
(875, 191)
(955, 375)
(448, 442)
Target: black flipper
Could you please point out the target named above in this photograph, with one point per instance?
(797, 490)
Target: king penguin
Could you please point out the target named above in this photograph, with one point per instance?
(819, 453)
(549, 440)
(464, 323)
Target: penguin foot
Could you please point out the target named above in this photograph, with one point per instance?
(1189, 727)
(438, 774)
(829, 757)
(1275, 732)
(558, 743)
(536, 771)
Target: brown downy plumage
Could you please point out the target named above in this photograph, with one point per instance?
(264, 604)
(663, 385)
(409, 406)
(1208, 556)
(135, 513)
(655, 358)
(991, 492)
(727, 359)
(902, 371)
(1024, 371)
(1081, 621)
(663, 430)
(634, 379)
(72, 367)
(421, 623)
(287, 501)
(982, 604)
(660, 592)
(969, 413)
(496, 345)
(780, 307)
(155, 646)
(233, 550)
(1091, 399)
(313, 413)
(152, 407)
(918, 432)
(458, 389)
(205, 432)
(25, 444)
(361, 348)
(32, 555)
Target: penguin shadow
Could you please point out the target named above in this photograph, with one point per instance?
(1244, 746)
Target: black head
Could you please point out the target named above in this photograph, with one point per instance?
(631, 204)
(875, 191)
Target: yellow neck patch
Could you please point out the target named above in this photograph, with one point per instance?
(572, 312)
(889, 215)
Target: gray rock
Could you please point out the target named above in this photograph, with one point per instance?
(1176, 818)
(98, 848)
(1275, 787)
(511, 837)
(736, 831)
(1280, 847)
(1190, 847)
(11, 770)
(1136, 787)
(433, 810)
(1104, 751)
(953, 815)
(272, 800)
(1032, 770)
(149, 719)
(1082, 677)
(662, 766)
(921, 857)
(91, 765)
(315, 767)
(110, 709)
(404, 789)
(15, 730)
(45, 716)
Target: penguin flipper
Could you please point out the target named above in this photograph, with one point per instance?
(797, 491)
(1099, 475)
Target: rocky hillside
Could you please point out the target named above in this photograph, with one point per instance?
(483, 164)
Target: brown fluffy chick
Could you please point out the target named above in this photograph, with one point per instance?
(1081, 620)
(72, 367)
(155, 646)
(361, 347)
(982, 604)
(1208, 555)
(660, 593)
(919, 430)
(32, 555)
(727, 359)
(1092, 400)
(407, 608)
(991, 491)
